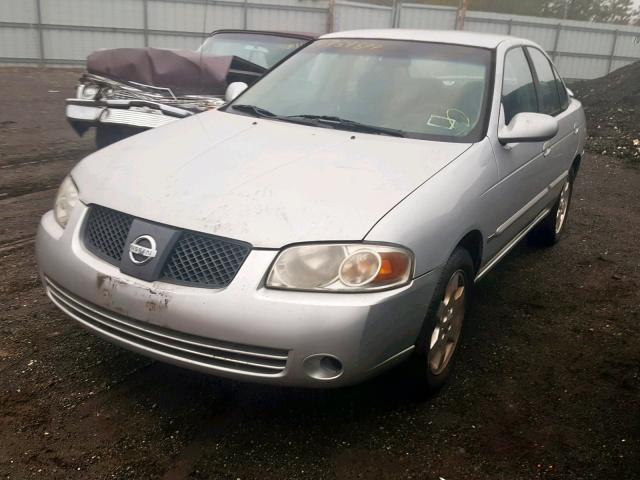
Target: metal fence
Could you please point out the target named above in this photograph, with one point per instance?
(64, 32)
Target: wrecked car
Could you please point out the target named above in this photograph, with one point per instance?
(127, 90)
(330, 221)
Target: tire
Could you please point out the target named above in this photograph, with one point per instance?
(549, 231)
(429, 371)
(108, 134)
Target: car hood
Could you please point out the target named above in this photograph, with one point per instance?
(184, 72)
(266, 182)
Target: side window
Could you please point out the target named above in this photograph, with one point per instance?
(548, 92)
(518, 91)
(562, 91)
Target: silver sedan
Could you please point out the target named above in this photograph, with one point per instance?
(331, 221)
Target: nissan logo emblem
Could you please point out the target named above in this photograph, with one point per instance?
(142, 249)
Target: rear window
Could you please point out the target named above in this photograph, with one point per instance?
(260, 49)
(562, 91)
(548, 91)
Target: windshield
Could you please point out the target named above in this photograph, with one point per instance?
(425, 90)
(263, 50)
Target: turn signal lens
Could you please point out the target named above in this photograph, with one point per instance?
(393, 268)
(341, 268)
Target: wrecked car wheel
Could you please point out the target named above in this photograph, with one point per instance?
(108, 134)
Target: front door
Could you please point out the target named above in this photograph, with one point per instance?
(522, 170)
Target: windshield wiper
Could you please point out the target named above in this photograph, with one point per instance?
(350, 124)
(254, 110)
(325, 120)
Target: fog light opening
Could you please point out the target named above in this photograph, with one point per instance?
(323, 367)
(331, 364)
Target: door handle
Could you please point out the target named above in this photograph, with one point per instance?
(546, 150)
(576, 129)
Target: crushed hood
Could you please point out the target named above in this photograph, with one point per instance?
(185, 72)
(266, 182)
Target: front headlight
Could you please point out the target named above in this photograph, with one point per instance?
(66, 200)
(88, 91)
(341, 268)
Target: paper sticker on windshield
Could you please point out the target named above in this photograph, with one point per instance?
(441, 122)
(355, 44)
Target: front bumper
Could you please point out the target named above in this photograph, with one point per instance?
(83, 114)
(243, 331)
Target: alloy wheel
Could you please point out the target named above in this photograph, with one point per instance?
(563, 206)
(449, 316)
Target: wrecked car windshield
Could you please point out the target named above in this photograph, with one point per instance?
(424, 90)
(260, 49)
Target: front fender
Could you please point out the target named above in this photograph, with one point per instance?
(436, 216)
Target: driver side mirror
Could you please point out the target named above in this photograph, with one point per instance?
(528, 127)
(234, 89)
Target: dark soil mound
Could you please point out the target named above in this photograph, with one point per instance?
(612, 105)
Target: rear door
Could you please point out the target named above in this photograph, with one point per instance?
(554, 101)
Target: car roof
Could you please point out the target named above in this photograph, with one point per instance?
(302, 35)
(455, 37)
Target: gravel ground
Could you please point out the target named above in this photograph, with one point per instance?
(612, 104)
(547, 385)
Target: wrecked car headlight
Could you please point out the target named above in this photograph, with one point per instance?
(66, 200)
(88, 92)
(341, 268)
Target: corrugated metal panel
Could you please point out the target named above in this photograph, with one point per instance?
(114, 13)
(594, 25)
(19, 43)
(574, 41)
(543, 36)
(289, 20)
(18, 11)
(619, 64)
(628, 45)
(583, 47)
(474, 25)
(76, 45)
(353, 16)
(421, 16)
(173, 41)
(581, 67)
(193, 17)
(293, 3)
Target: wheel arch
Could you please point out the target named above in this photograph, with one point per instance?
(575, 166)
(473, 242)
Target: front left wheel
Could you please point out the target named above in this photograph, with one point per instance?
(441, 332)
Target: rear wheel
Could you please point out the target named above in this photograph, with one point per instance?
(442, 329)
(108, 134)
(550, 230)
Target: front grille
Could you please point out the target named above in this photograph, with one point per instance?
(196, 259)
(189, 350)
(106, 233)
(189, 103)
